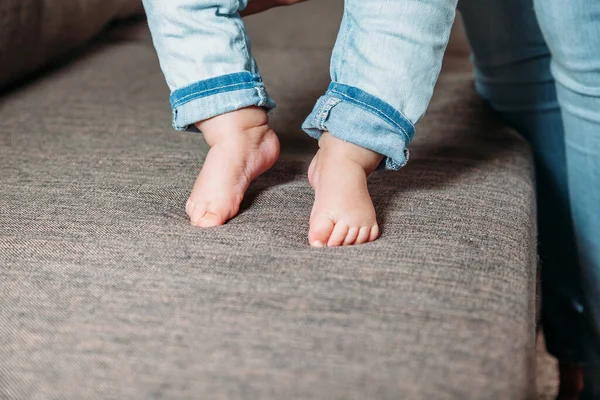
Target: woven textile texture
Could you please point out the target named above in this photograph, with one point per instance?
(107, 292)
(34, 32)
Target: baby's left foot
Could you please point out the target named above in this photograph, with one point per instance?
(242, 146)
(343, 213)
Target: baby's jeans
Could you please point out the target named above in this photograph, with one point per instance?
(383, 69)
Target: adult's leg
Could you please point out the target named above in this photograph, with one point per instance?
(512, 63)
(572, 31)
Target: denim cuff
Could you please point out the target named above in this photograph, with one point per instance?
(216, 96)
(355, 116)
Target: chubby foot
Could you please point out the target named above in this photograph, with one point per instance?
(242, 146)
(343, 213)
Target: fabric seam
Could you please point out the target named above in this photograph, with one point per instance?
(198, 94)
(378, 111)
(325, 110)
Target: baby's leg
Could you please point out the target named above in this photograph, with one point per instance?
(242, 146)
(205, 55)
(384, 66)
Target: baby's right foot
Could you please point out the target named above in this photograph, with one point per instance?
(242, 147)
(343, 213)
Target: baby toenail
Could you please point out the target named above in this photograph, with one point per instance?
(208, 215)
(318, 244)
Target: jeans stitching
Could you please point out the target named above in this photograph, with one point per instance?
(174, 112)
(327, 105)
(262, 95)
(196, 94)
(381, 112)
(406, 157)
(325, 110)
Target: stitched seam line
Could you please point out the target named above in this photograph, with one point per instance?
(174, 123)
(381, 113)
(218, 89)
(325, 110)
(262, 96)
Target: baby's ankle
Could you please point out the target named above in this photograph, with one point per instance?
(338, 148)
(250, 123)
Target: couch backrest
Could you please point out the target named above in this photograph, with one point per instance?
(33, 32)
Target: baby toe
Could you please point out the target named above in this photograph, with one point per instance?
(340, 231)
(320, 231)
(363, 235)
(210, 220)
(202, 215)
(374, 233)
(351, 236)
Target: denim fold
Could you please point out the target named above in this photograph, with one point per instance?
(357, 117)
(215, 96)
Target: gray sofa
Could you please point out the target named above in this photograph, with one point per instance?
(107, 292)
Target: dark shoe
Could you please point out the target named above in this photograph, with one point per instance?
(591, 384)
(571, 382)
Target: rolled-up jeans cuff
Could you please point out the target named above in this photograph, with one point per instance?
(358, 117)
(215, 96)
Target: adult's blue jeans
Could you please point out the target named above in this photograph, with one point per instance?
(537, 63)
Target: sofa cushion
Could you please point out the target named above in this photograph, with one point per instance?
(33, 32)
(108, 292)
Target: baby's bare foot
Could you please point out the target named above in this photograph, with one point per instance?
(343, 213)
(242, 146)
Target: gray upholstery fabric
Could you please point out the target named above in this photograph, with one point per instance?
(107, 292)
(34, 32)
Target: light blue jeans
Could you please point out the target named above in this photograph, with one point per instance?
(205, 55)
(540, 69)
(537, 62)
